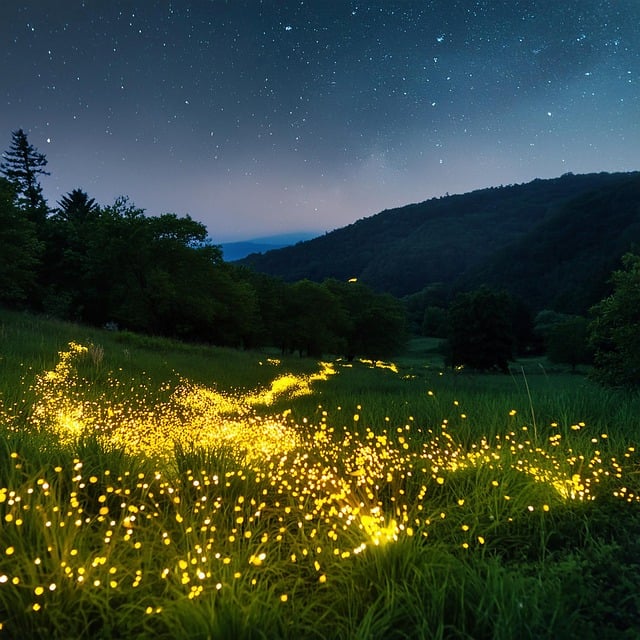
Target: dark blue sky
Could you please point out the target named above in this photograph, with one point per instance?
(266, 117)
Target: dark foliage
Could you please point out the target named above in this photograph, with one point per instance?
(19, 250)
(481, 332)
(568, 342)
(375, 323)
(114, 265)
(315, 320)
(551, 243)
(21, 166)
(161, 275)
(615, 330)
(565, 262)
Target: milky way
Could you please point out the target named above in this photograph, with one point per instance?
(264, 117)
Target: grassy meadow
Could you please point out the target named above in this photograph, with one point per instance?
(151, 489)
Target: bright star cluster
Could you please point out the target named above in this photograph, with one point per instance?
(260, 117)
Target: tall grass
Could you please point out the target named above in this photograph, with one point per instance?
(153, 489)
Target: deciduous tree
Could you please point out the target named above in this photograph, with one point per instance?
(480, 330)
(314, 319)
(615, 329)
(374, 325)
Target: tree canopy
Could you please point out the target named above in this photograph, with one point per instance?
(615, 329)
(481, 330)
(20, 250)
(376, 323)
(551, 242)
(160, 274)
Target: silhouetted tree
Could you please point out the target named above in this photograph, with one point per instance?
(374, 324)
(19, 250)
(271, 293)
(21, 166)
(615, 329)
(546, 320)
(480, 330)
(236, 318)
(158, 274)
(314, 318)
(524, 340)
(433, 295)
(77, 207)
(70, 291)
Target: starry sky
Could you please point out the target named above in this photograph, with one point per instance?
(260, 117)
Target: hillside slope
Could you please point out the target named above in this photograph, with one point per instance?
(464, 240)
(565, 262)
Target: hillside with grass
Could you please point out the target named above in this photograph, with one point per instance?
(152, 489)
(507, 236)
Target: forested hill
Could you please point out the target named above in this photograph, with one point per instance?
(509, 236)
(566, 261)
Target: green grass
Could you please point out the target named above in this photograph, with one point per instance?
(155, 489)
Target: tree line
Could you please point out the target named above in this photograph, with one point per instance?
(116, 266)
(485, 330)
(553, 243)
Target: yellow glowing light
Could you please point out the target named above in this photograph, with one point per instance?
(377, 531)
(311, 492)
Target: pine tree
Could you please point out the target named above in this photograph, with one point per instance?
(77, 207)
(21, 166)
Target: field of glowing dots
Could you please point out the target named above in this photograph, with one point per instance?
(209, 495)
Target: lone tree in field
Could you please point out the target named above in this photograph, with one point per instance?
(615, 329)
(480, 330)
(21, 166)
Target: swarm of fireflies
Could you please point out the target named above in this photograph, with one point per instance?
(269, 491)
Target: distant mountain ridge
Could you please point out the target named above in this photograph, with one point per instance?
(240, 249)
(552, 242)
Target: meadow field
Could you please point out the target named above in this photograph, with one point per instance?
(152, 489)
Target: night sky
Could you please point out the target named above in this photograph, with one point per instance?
(259, 118)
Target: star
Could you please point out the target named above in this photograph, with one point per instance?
(308, 93)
